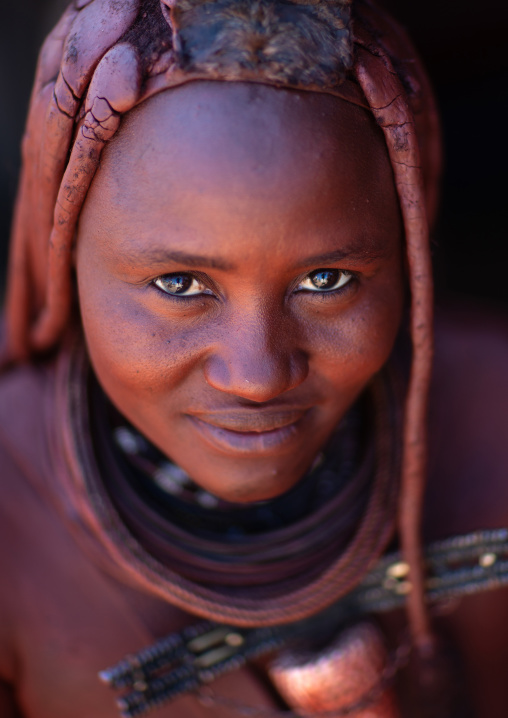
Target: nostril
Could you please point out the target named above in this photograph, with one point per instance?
(255, 378)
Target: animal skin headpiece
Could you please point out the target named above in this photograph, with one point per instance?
(105, 57)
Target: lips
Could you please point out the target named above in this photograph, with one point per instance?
(255, 420)
(245, 432)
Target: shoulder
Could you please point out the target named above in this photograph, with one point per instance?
(21, 393)
(468, 457)
(468, 482)
(23, 418)
(24, 445)
(23, 424)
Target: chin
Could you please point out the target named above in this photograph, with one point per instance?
(250, 491)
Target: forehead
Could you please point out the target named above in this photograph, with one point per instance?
(246, 149)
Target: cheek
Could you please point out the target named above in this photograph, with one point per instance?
(354, 347)
(133, 352)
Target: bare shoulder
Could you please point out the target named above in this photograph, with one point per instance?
(468, 483)
(468, 461)
(21, 453)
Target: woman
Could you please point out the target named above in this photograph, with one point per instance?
(221, 433)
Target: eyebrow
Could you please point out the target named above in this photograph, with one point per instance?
(163, 256)
(353, 253)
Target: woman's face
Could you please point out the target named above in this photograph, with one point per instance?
(239, 262)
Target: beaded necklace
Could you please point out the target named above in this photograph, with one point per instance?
(329, 474)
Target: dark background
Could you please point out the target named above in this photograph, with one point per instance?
(464, 45)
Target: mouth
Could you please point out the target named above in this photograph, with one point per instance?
(254, 433)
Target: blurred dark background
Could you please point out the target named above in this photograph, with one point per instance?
(464, 45)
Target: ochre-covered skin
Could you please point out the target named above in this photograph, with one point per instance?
(365, 58)
(65, 617)
(239, 171)
(253, 173)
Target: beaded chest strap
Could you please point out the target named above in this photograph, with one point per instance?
(184, 662)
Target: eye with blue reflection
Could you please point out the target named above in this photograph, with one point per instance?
(181, 285)
(325, 280)
(188, 285)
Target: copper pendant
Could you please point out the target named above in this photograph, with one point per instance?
(347, 677)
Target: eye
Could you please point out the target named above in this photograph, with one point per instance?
(181, 285)
(325, 280)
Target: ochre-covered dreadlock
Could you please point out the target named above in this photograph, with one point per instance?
(105, 57)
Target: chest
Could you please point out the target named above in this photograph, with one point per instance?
(73, 620)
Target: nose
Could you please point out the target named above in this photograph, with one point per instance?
(257, 358)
